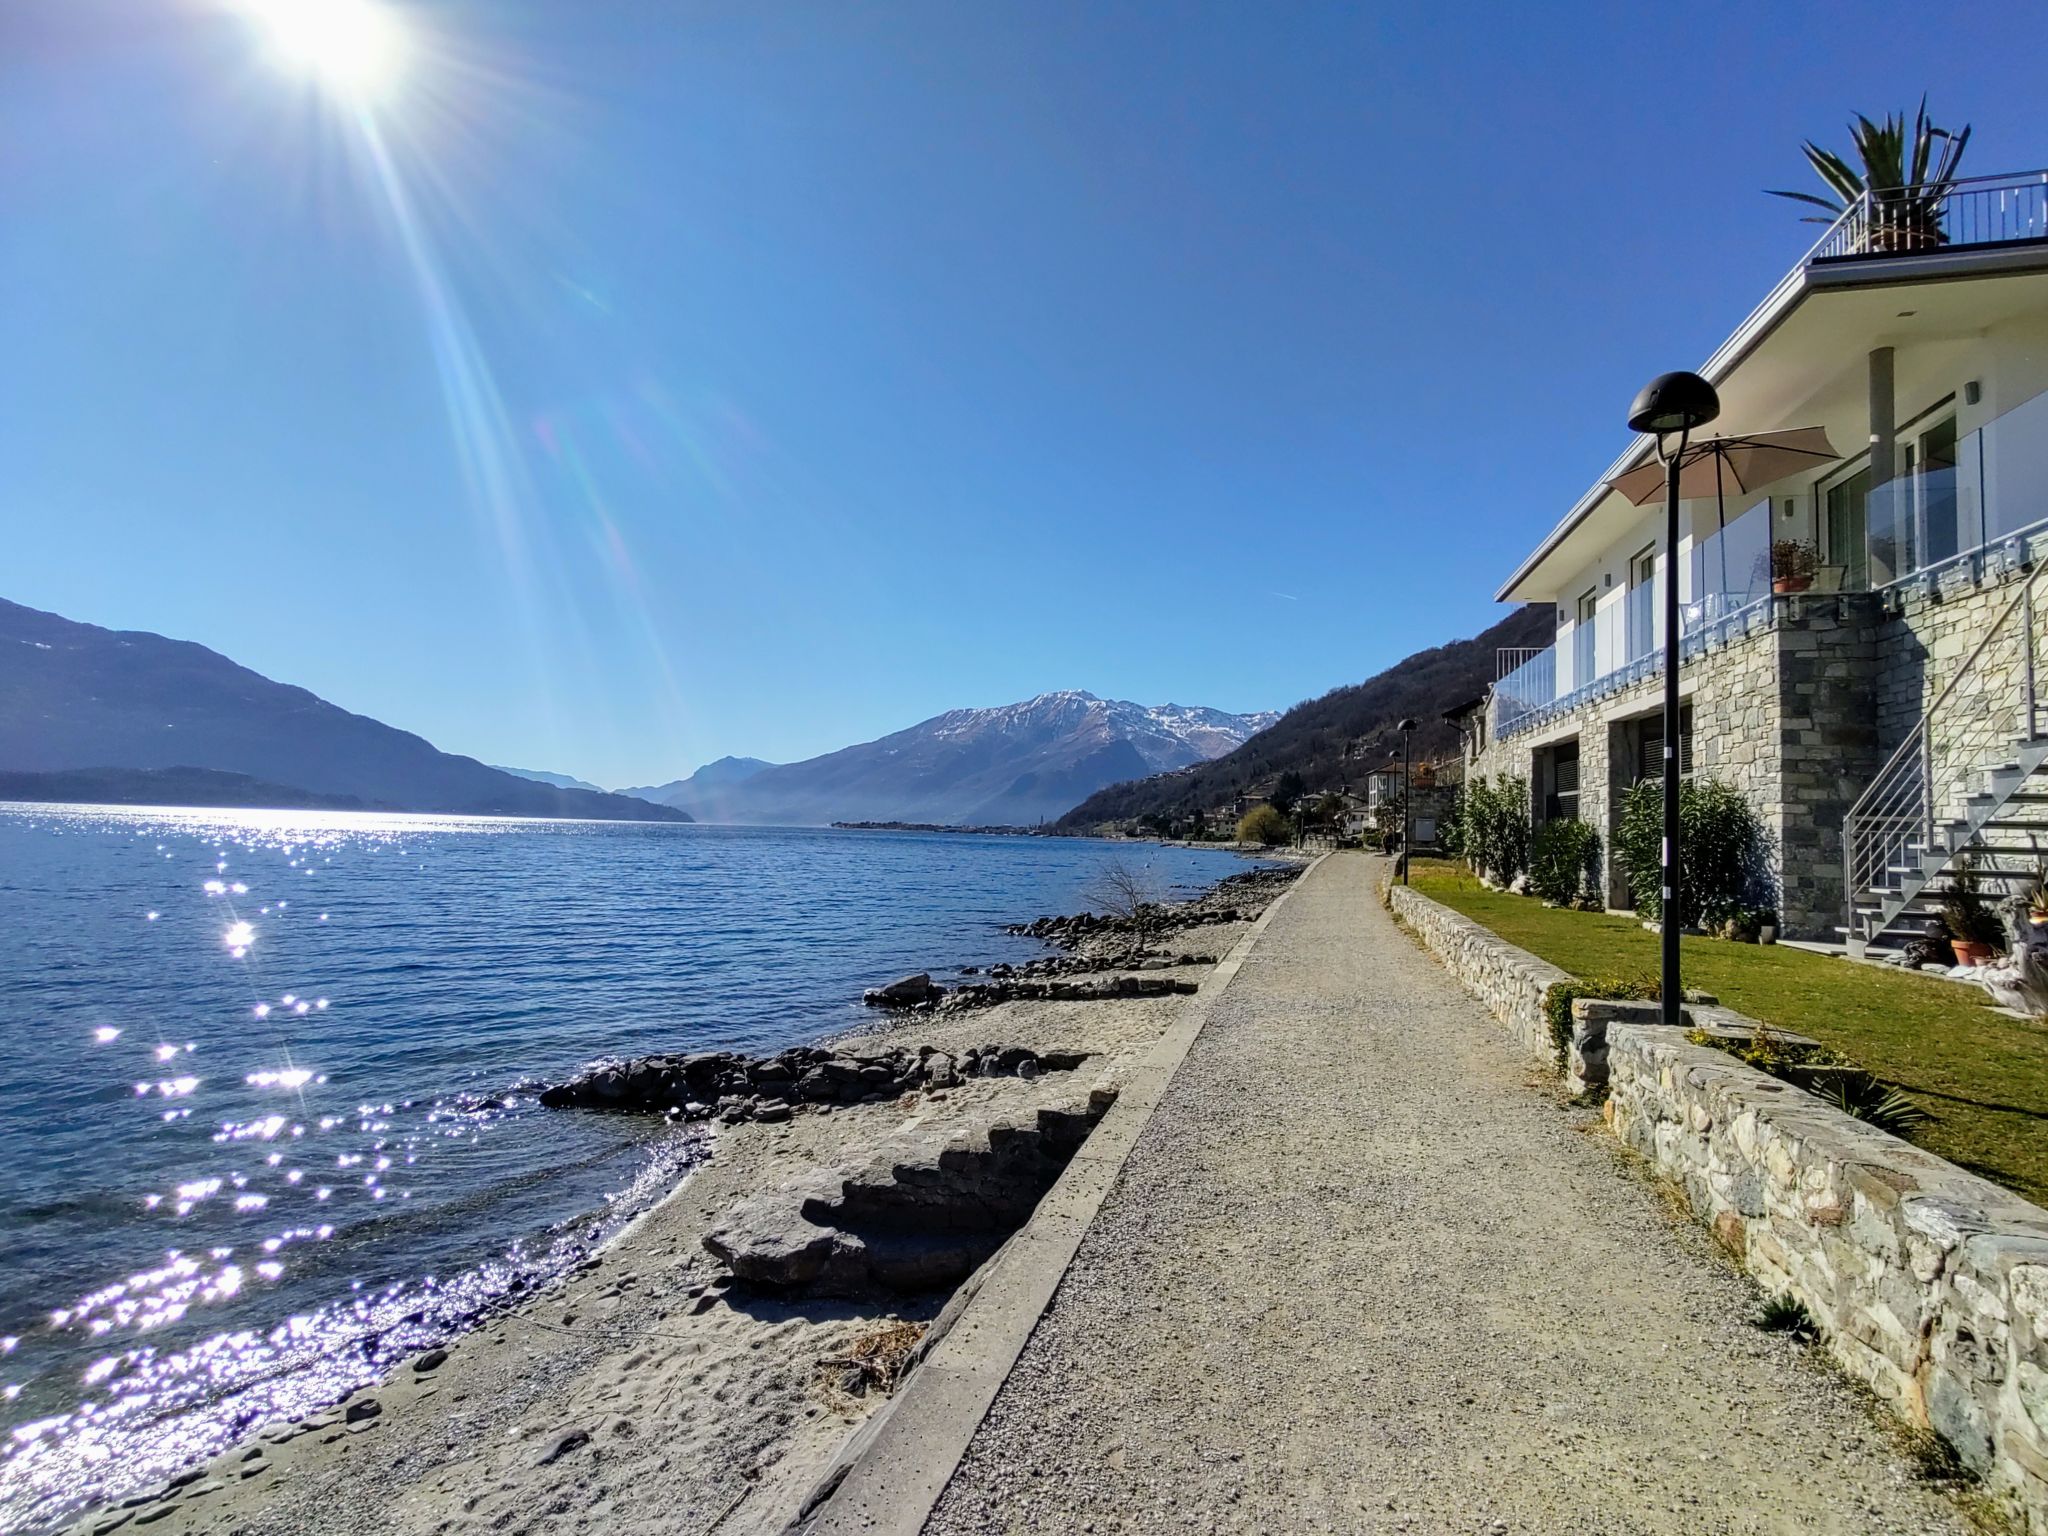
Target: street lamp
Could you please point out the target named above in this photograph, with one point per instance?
(1407, 730)
(1671, 405)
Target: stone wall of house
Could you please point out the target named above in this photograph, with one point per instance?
(1509, 981)
(1926, 1282)
(1929, 633)
(1781, 709)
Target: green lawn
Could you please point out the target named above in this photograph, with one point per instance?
(1983, 1075)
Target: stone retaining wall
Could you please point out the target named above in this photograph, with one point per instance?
(1927, 1283)
(1509, 981)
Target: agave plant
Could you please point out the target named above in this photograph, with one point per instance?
(1878, 1104)
(1906, 178)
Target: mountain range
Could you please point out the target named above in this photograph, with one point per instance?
(706, 787)
(1333, 740)
(126, 716)
(1015, 765)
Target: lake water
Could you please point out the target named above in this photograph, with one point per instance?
(265, 1078)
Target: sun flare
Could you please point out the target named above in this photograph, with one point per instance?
(355, 47)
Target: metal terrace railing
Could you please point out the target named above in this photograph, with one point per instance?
(1976, 211)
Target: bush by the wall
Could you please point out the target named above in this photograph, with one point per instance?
(1723, 851)
(1497, 827)
(1564, 861)
(1450, 831)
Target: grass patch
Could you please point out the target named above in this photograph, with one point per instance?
(1982, 1075)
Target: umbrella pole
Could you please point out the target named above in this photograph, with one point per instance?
(1721, 523)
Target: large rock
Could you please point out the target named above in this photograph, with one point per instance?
(733, 1088)
(905, 992)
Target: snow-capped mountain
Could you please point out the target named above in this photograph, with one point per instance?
(1014, 765)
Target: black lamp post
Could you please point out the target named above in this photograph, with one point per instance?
(1407, 730)
(1671, 405)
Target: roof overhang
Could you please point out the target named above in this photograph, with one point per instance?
(1808, 287)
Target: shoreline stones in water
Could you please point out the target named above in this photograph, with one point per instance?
(730, 1087)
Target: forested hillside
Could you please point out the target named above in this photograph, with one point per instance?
(1335, 739)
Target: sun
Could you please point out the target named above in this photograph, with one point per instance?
(353, 47)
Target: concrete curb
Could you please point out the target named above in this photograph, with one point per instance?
(891, 1473)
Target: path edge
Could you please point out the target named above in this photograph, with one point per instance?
(888, 1477)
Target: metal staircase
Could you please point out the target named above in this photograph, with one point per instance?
(1971, 779)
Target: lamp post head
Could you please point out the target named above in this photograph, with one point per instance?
(1405, 726)
(1674, 402)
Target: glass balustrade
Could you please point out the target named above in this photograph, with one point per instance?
(1953, 499)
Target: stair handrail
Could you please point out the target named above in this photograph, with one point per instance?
(1891, 797)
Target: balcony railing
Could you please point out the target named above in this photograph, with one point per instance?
(1977, 211)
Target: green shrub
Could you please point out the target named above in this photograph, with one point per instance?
(1450, 831)
(1557, 1001)
(1787, 1314)
(1264, 824)
(1497, 828)
(1723, 852)
(1564, 861)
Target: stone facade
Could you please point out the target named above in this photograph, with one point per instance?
(1796, 703)
(1926, 1282)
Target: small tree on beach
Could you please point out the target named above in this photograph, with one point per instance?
(1129, 894)
(1264, 824)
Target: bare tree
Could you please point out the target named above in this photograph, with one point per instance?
(1129, 894)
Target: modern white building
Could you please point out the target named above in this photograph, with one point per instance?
(1882, 716)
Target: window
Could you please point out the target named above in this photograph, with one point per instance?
(1642, 603)
(1562, 802)
(1585, 658)
(1879, 534)
(1650, 745)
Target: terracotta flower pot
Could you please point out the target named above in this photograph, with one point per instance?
(1969, 952)
(1784, 584)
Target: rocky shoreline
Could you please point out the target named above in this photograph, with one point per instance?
(705, 1366)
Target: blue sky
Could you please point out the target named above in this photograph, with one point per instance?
(760, 377)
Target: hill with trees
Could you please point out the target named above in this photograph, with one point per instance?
(1331, 741)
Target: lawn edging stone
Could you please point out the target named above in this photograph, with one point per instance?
(1927, 1283)
(1511, 982)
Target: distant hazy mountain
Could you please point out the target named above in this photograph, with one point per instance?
(542, 776)
(1012, 766)
(713, 775)
(166, 786)
(78, 697)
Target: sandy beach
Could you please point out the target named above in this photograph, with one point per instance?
(646, 1391)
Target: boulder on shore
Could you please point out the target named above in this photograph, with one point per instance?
(917, 991)
(729, 1087)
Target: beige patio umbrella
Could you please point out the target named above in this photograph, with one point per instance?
(1716, 465)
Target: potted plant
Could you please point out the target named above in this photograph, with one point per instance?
(1973, 926)
(1793, 562)
(1766, 925)
(1903, 183)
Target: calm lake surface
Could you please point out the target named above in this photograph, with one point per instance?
(265, 1077)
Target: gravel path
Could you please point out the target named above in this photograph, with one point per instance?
(1361, 1273)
